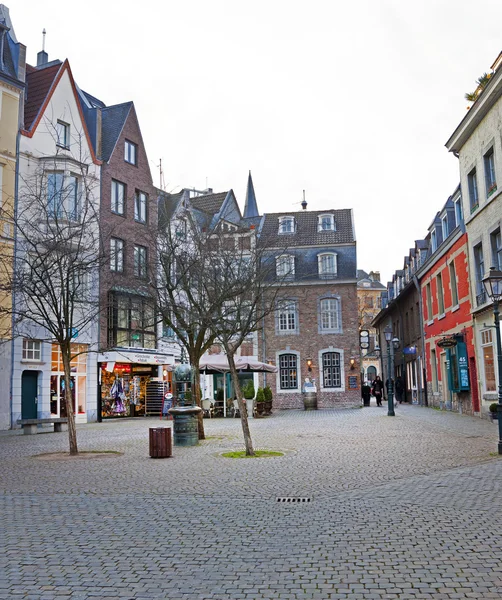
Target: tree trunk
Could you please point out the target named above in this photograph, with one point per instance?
(72, 430)
(196, 396)
(248, 442)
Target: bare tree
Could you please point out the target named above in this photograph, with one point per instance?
(53, 276)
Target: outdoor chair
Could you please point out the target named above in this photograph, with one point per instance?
(236, 408)
(208, 408)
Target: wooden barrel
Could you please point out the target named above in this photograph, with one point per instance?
(310, 400)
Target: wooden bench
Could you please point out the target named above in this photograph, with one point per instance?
(31, 425)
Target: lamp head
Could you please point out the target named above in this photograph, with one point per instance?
(352, 364)
(309, 364)
(388, 333)
(493, 284)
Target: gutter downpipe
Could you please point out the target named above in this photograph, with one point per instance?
(423, 392)
(14, 257)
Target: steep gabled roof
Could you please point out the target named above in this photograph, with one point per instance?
(209, 203)
(168, 203)
(39, 83)
(113, 121)
(250, 206)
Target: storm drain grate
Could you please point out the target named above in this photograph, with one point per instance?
(293, 499)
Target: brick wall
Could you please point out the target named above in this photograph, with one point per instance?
(308, 343)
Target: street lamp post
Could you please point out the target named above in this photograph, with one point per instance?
(493, 287)
(390, 365)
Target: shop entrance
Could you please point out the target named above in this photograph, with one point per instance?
(58, 402)
(29, 391)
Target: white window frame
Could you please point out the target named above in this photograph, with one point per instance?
(287, 317)
(65, 202)
(453, 283)
(118, 197)
(287, 225)
(341, 353)
(496, 247)
(330, 307)
(434, 240)
(291, 390)
(140, 207)
(131, 152)
(285, 266)
(444, 226)
(32, 350)
(486, 338)
(459, 217)
(440, 294)
(489, 167)
(327, 271)
(116, 255)
(326, 222)
(62, 134)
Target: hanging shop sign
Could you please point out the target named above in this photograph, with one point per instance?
(447, 342)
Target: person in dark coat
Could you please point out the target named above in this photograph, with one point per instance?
(399, 387)
(366, 393)
(377, 390)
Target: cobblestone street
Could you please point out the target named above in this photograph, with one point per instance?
(400, 508)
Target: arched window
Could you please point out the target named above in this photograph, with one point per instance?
(371, 373)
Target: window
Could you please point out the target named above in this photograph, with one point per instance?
(63, 196)
(116, 255)
(285, 266)
(327, 265)
(32, 350)
(132, 322)
(472, 183)
(496, 244)
(368, 301)
(288, 375)
(444, 226)
(429, 302)
(479, 270)
(331, 375)
(326, 223)
(140, 202)
(287, 319)
(118, 197)
(130, 152)
(62, 134)
(78, 285)
(489, 162)
(488, 360)
(459, 217)
(286, 225)
(329, 309)
(439, 284)
(244, 243)
(434, 369)
(140, 258)
(453, 284)
(434, 242)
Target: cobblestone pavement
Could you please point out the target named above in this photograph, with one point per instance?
(405, 507)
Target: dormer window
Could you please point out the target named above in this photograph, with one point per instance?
(287, 225)
(434, 242)
(444, 226)
(327, 265)
(285, 266)
(326, 223)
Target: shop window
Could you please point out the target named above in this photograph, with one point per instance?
(488, 360)
(78, 380)
(434, 369)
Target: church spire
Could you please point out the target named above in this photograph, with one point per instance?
(250, 208)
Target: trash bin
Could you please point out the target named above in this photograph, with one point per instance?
(160, 442)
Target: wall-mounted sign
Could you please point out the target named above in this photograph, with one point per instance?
(447, 342)
(410, 350)
(353, 382)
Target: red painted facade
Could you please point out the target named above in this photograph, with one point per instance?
(454, 320)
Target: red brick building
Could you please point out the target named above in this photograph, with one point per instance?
(446, 310)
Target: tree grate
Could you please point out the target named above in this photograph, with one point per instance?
(293, 499)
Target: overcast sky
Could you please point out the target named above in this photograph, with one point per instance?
(352, 101)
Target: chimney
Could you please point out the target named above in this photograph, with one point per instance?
(42, 56)
(375, 276)
(304, 202)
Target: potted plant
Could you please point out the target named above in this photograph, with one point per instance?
(267, 392)
(260, 401)
(248, 393)
(493, 408)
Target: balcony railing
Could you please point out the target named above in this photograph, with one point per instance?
(481, 298)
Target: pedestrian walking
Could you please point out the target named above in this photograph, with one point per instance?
(366, 393)
(377, 390)
(399, 387)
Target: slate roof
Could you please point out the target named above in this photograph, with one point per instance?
(38, 84)
(113, 120)
(210, 203)
(306, 233)
(363, 276)
(93, 101)
(250, 206)
(168, 203)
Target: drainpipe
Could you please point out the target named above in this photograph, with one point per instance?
(263, 348)
(13, 297)
(422, 393)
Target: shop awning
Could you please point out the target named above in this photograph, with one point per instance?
(137, 357)
(218, 363)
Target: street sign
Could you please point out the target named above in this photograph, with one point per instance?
(410, 350)
(74, 332)
(364, 339)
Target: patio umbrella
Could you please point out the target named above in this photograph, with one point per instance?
(218, 363)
